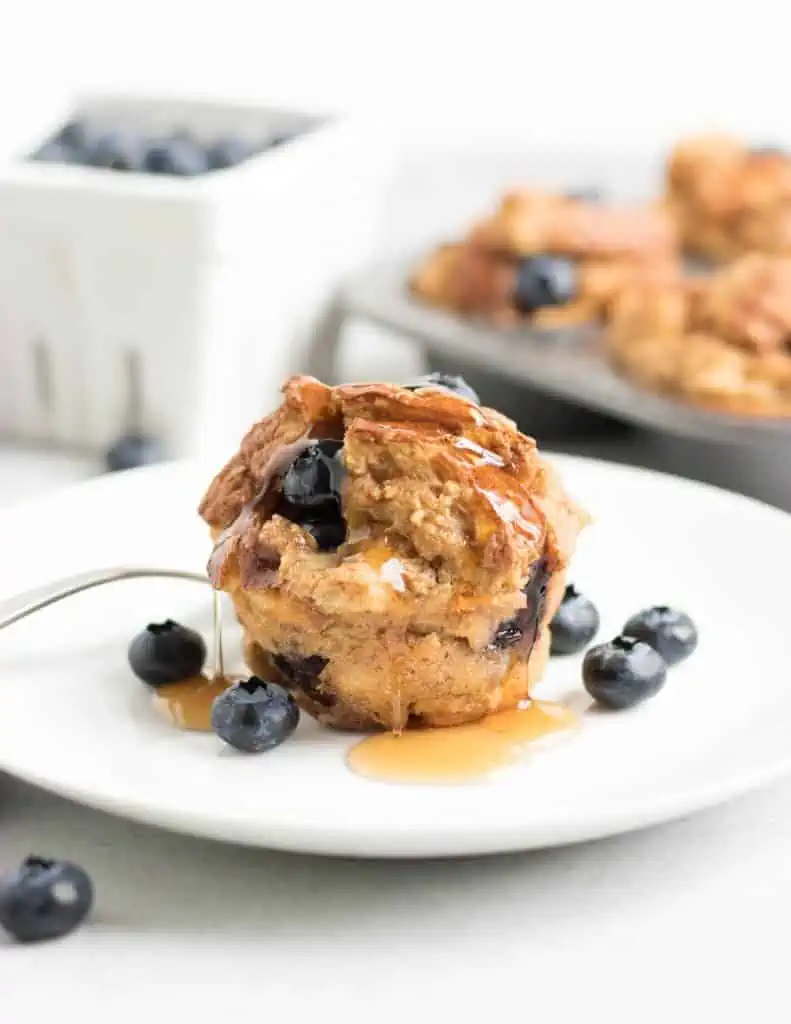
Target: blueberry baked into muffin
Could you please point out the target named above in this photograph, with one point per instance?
(729, 199)
(394, 554)
(721, 341)
(551, 259)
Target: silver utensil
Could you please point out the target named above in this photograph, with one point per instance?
(22, 605)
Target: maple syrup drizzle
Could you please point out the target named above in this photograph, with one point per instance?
(459, 753)
(188, 704)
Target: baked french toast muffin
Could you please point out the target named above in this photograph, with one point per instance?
(730, 199)
(549, 259)
(721, 341)
(394, 554)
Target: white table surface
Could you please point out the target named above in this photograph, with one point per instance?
(684, 922)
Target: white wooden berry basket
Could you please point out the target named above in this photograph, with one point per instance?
(214, 288)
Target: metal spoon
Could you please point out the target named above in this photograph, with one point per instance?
(22, 605)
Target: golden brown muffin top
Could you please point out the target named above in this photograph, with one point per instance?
(437, 477)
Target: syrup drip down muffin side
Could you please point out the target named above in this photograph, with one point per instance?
(394, 555)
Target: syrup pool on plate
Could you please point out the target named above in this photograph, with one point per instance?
(459, 753)
(188, 704)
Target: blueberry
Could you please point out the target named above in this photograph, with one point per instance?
(668, 631)
(545, 281)
(254, 715)
(178, 155)
(575, 624)
(227, 152)
(302, 673)
(44, 899)
(446, 382)
(623, 672)
(326, 527)
(54, 152)
(325, 524)
(314, 478)
(131, 451)
(312, 493)
(166, 652)
(535, 590)
(116, 151)
(328, 533)
(509, 632)
(73, 134)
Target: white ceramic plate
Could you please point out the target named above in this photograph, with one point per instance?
(74, 720)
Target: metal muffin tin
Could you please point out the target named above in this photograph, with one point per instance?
(567, 364)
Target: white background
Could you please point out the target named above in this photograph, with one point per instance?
(594, 71)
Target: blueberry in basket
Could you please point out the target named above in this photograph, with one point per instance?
(575, 624)
(446, 382)
(44, 899)
(545, 281)
(166, 652)
(254, 715)
(73, 134)
(179, 155)
(623, 672)
(670, 632)
(227, 152)
(115, 151)
(54, 152)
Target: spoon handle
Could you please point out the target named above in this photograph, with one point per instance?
(22, 605)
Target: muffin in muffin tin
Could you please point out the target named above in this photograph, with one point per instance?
(548, 259)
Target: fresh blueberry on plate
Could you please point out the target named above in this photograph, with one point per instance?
(670, 632)
(179, 155)
(166, 652)
(227, 152)
(446, 382)
(131, 451)
(545, 281)
(254, 715)
(623, 672)
(44, 899)
(575, 624)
